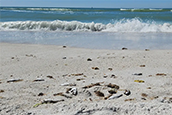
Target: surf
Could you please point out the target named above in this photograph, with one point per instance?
(123, 25)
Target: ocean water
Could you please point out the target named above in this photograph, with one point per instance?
(95, 28)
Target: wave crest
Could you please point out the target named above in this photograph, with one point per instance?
(52, 26)
(124, 25)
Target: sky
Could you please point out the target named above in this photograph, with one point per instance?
(90, 3)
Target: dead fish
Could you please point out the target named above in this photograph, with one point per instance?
(161, 74)
(108, 97)
(124, 48)
(68, 84)
(78, 74)
(139, 81)
(144, 94)
(51, 77)
(95, 68)
(14, 80)
(39, 79)
(110, 69)
(41, 94)
(51, 101)
(73, 91)
(89, 59)
(1, 91)
(112, 91)
(64, 57)
(127, 92)
(61, 94)
(129, 99)
(47, 101)
(98, 93)
(142, 65)
(113, 76)
(79, 79)
(138, 74)
(115, 96)
(88, 93)
(89, 86)
(113, 86)
(68, 89)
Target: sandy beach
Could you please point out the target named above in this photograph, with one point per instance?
(61, 80)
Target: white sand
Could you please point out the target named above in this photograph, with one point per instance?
(30, 62)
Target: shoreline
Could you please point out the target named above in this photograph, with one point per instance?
(34, 79)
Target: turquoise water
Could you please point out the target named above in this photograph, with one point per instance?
(88, 27)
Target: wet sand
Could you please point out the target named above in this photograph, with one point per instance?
(57, 80)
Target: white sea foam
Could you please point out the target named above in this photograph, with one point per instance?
(124, 25)
(155, 9)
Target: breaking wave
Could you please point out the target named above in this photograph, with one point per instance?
(144, 10)
(124, 25)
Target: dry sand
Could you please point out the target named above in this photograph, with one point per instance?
(33, 81)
